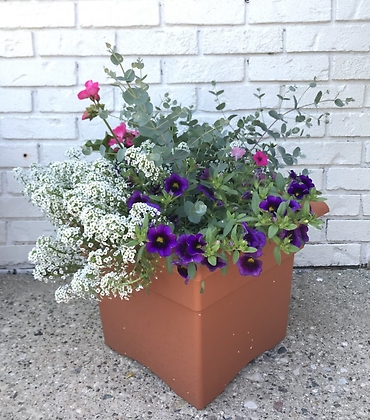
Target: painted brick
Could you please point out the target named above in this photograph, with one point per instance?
(367, 152)
(168, 41)
(281, 11)
(93, 69)
(37, 72)
(91, 130)
(330, 92)
(241, 41)
(348, 179)
(64, 100)
(204, 70)
(35, 127)
(356, 10)
(351, 124)
(366, 204)
(351, 67)
(16, 207)
(12, 186)
(16, 43)
(185, 95)
(52, 151)
(238, 97)
(333, 152)
(17, 153)
(317, 235)
(14, 255)
(341, 230)
(203, 12)
(73, 42)
(327, 38)
(118, 13)
(24, 231)
(328, 255)
(15, 100)
(344, 205)
(288, 67)
(36, 14)
(2, 233)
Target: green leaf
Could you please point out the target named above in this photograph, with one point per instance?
(202, 286)
(192, 270)
(129, 76)
(339, 102)
(255, 204)
(121, 154)
(277, 254)
(318, 97)
(236, 255)
(212, 260)
(272, 231)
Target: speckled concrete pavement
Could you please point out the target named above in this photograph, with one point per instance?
(55, 366)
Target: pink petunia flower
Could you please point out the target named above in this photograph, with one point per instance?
(260, 158)
(123, 135)
(237, 152)
(91, 91)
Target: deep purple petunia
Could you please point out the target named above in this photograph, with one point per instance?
(205, 174)
(189, 248)
(219, 264)
(298, 237)
(208, 192)
(138, 197)
(182, 269)
(271, 203)
(297, 189)
(300, 185)
(255, 238)
(175, 185)
(161, 240)
(249, 265)
(294, 205)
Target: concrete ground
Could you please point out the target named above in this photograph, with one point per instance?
(54, 364)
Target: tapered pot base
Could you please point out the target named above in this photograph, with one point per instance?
(197, 343)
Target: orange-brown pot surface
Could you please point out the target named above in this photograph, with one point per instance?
(197, 343)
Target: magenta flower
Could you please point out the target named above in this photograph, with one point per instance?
(237, 152)
(91, 91)
(260, 158)
(123, 135)
(161, 240)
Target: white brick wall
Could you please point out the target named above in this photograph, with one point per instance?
(185, 44)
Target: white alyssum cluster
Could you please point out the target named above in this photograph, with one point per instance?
(86, 201)
(137, 157)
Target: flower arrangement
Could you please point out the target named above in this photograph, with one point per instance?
(168, 186)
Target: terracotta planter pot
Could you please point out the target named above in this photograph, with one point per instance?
(197, 343)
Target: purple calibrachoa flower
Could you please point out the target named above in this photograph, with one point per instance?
(300, 185)
(219, 264)
(208, 192)
(189, 248)
(271, 204)
(249, 265)
(137, 197)
(294, 205)
(298, 237)
(175, 185)
(254, 237)
(161, 240)
(182, 269)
